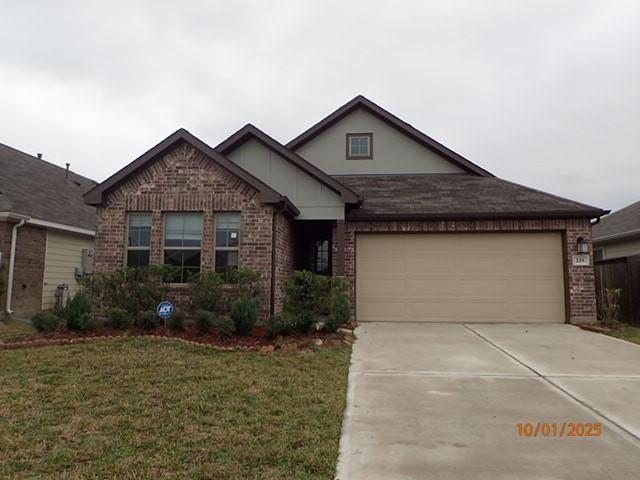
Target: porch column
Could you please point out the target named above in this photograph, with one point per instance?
(338, 267)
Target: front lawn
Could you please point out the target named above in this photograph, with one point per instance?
(628, 333)
(15, 330)
(144, 408)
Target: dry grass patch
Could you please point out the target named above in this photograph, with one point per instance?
(153, 409)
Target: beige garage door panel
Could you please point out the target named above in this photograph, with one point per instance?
(493, 277)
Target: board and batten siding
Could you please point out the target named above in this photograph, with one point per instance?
(393, 151)
(63, 255)
(315, 200)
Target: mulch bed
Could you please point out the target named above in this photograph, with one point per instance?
(258, 340)
(592, 327)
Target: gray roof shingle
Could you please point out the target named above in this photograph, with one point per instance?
(624, 221)
(455, 196)
(31, 186)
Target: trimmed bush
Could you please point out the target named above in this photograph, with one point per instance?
(206, 291)
(338, 305)
(120, 318)
(224, 326)
(77, 313)
(244, 313)
(176, 321)
(46, 321)
(147, 320)
(203, 321)
(279, 324)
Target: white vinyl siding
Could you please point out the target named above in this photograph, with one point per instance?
(62, 257)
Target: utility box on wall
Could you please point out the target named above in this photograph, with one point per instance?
(87, 261)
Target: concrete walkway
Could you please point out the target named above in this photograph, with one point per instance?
(443, 401)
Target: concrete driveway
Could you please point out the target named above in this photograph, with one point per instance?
(443, 401)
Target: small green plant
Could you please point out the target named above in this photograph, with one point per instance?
(610, 307)
(176, 321)
(279, 324)
(120, 318)
(46, 321)
(244, 313)
(247, 282)
(77, 313)
(203, 321)
(207, 291)
(224, 326)
(304, 294)
(338, 306)
(147, 320)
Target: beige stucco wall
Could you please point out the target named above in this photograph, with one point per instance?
(624, 248)
(314, 199)
(63, 255)
(393, 152)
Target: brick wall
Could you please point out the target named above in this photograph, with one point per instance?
(580, 280)
(29, 267)
(184, 179)
(284, 257)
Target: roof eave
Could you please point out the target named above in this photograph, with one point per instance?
(528, 215)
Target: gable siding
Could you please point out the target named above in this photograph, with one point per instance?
(624, 248)
(63, 255)
(314, 200)
(393, 152)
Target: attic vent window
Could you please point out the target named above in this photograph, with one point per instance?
(359, 146)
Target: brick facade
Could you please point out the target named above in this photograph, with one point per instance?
(29, 267)
(581, 297)
(186, 180)
(284, 257)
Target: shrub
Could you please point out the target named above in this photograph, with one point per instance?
(279, 324)
(176, 321)
(224, 326)
(247, 282)
(132, 289)
(610, 306)
(77, 313)
(120, 318)
(203, 321)
(46, 321)
(338, 305)
(83, 323)
(147, 320)
(306, 298)
(244, 313)
(206, 291)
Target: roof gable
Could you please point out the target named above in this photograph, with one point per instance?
(387, 117)
(622, 223)
(251, 132)
(267, 194)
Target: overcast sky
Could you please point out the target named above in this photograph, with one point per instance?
(544, 93)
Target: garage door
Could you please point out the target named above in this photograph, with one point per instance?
(484, 277)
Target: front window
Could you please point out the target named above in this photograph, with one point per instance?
(319, 260)
(183, 243)
(227, 241)
(359, 146)
(138, 239)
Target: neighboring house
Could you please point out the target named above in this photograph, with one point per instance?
(618, 234)
(422, 233)
(45, 227)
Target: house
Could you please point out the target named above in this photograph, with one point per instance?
(45, 227)
(422, 233)
(618, 234)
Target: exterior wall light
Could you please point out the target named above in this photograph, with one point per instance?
(583, 246)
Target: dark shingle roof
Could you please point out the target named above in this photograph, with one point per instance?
(455, 196)
(624, 221)
(31, 186)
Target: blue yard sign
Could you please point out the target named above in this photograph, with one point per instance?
(165, 309)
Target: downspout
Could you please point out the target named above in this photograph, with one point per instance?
(12, 262)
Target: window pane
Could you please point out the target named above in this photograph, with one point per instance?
(137, 258)
(229, 220)
(226, 260)
(359, 146)
(227, 229)
(139, 230)
(183, 230)
(187, 262)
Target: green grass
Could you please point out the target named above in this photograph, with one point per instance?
(14, 330)
(142, 408)
(628, 333)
